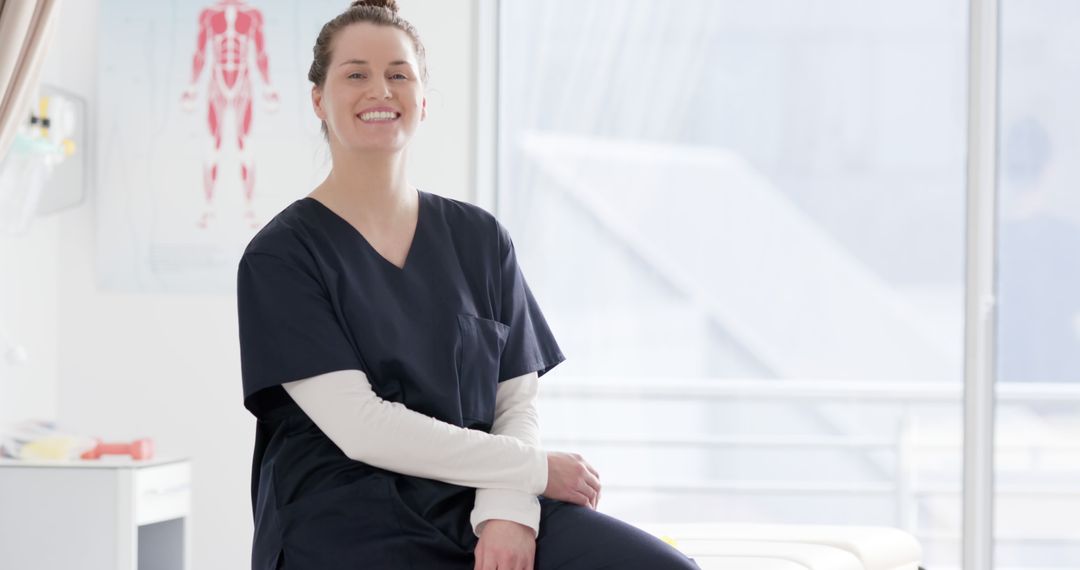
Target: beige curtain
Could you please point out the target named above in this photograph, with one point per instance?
(25, 31)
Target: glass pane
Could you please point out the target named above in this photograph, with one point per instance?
(1037, 471)
(744, 221)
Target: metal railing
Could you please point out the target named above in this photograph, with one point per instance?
(906, 396)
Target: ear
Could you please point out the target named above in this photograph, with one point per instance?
(316, 102)
(423, 109)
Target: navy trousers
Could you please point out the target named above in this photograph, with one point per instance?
(571, 537)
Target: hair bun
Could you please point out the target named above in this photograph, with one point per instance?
(388, 4)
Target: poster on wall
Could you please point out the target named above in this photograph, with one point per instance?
(205, 132)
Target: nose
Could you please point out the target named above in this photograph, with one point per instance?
(379, 88)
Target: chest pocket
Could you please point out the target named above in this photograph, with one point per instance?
(480, 349)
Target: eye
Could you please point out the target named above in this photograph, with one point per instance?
(401, 75)
(351, 75)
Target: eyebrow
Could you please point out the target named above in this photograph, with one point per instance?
(363, 62)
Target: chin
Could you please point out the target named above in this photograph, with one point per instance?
(383, 149)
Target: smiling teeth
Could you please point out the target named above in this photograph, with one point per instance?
(378, 116)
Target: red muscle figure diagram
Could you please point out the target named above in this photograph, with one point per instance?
(232, 29)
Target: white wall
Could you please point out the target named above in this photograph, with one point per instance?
(29, 278)
(441, 154)
(167, 366)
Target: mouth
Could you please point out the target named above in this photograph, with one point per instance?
(379, 117)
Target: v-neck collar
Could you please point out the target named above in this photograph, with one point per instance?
(412, 245)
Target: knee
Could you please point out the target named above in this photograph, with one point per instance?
(650, 553)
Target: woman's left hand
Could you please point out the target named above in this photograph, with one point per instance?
(505, 545)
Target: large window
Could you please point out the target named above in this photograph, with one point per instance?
(1037, 522)
(745, 222)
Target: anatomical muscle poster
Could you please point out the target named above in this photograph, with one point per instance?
(205, 131)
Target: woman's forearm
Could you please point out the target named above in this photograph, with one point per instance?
(515, 416)
(390, 436)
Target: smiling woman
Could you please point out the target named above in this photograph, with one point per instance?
(394, 60)
(348, 93)
(391, 351)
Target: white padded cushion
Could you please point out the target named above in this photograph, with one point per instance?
(746, 563)
(716, 555)
(876, 548)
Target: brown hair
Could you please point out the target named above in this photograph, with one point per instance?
(378, 12)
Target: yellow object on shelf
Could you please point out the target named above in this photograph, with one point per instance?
(50, 448)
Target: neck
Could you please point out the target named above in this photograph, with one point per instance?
(370, 186)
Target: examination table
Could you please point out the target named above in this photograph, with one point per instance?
(733, 546)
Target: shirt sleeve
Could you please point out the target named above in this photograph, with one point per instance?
(288, 327)
(390, 436)
(515, 416)
(530, 344)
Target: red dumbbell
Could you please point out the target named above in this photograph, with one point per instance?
(138, 449)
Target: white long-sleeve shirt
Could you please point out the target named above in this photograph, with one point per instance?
(507, 466)
(515, 416)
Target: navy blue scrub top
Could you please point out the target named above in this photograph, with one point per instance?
(437, 335)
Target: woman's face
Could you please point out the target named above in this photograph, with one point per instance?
(371, 67)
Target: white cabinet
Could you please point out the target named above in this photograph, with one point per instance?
(110, 514)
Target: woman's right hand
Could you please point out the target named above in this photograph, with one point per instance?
(572, 480)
